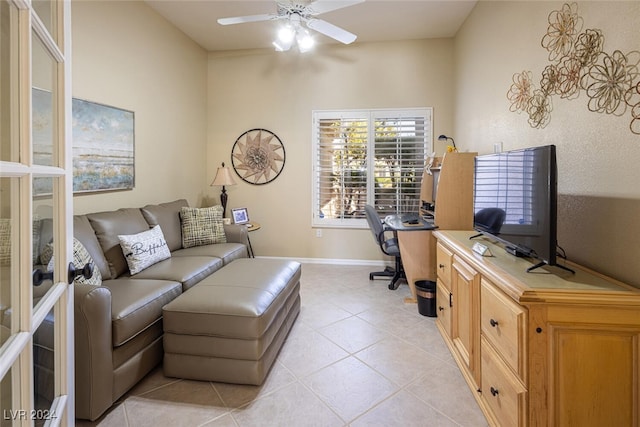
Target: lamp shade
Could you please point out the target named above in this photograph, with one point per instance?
(223, 177)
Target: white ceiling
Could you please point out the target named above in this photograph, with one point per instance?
(373, 20)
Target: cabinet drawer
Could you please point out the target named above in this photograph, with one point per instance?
(444, 259)
(443, 304)
(503, 323)
(502, 392)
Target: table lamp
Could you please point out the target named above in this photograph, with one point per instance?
(223, 177)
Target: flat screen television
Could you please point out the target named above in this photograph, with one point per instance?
(515, 201)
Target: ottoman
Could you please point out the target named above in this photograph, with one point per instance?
(230, 326)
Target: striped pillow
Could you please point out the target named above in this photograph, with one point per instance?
(202, 226)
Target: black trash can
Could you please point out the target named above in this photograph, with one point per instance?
(426, 293)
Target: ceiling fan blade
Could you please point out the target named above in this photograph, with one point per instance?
(323, 6)
(331, 30)
(248, 18)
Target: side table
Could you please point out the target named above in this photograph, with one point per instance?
(252, 226)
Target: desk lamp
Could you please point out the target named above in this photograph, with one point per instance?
(445, 138)
(223, 177)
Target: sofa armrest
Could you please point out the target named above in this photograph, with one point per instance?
(236, 233)
(93, 350)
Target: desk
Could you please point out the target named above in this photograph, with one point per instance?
(251, 226)
(417, 250)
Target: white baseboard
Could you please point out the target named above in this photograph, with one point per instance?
(332, 261)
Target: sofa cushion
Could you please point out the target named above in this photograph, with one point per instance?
(136, 304)
(108, 226)
(83, 231)
(167, 216)
(225, 251)
(202, 226)
(186, 270)
(144, 249)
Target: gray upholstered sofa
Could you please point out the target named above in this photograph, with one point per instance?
(118, 325)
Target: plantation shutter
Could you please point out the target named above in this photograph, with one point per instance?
(371, 157)
(341, 166)
(400, 150)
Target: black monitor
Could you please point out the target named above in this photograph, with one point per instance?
(515, 201)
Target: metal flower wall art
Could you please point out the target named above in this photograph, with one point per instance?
(578, 63)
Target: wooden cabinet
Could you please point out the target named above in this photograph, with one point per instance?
(464, 333)
(453, 210)
(549, 348)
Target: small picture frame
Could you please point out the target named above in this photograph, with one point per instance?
(240, 215)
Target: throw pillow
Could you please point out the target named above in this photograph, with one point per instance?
(35, 230)
(144, 249)
(202, 226)
(47, 253)
(5, 241)
(81, 257)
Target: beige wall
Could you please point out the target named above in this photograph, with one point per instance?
(190, 108)
(127, 56)
(598, 156)
(278, 91)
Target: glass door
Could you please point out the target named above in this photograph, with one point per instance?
(36, 306)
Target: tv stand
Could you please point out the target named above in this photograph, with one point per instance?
(541, 263)
(538, 349)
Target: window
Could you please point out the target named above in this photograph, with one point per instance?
(364, 157)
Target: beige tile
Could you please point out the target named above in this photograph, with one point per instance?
(319, 315)
(183, 403)
(353, 334)
(426, 336)
(114, 417)
(350, 387)
(315, 381)
(153, 380)
(226, 420)
(236, 395)
(397, 360)
(293, 405)
(443, 387)
(403, 409)
(305, 353)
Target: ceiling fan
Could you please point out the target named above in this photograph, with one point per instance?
(296, 13)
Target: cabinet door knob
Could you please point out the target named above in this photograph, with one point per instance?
(494, 391)
(441, 266)
(493, 323)
(440, 308)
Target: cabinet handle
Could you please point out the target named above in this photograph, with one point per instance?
(494, 391)
(440, 308)
(493, 323)
(441, 266)
(450, 299)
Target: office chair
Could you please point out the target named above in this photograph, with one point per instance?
(388, 242)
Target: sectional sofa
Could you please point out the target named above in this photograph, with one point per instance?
(118, 320)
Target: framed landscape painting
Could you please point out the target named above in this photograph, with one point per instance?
(103, 145)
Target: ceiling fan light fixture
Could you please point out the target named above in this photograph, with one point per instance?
(305, 41)
(286, 34)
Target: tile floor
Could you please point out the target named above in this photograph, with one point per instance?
(356, 356)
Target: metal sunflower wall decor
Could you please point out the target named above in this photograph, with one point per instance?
(258, 156)
(579, 63)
